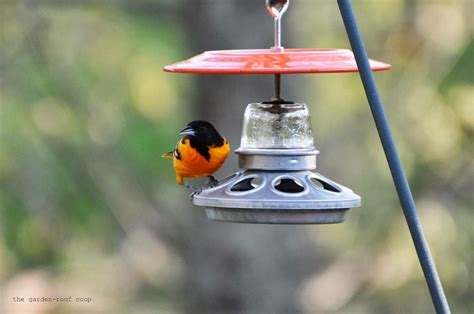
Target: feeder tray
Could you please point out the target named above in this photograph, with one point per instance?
(278, 197)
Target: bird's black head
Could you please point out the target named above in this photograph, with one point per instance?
(202, 135)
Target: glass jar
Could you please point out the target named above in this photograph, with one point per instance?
(276, 125)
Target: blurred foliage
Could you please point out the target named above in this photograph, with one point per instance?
(86, 111)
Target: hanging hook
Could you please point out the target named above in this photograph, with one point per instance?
(277, 8)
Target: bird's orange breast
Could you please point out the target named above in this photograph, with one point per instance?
(192, 164)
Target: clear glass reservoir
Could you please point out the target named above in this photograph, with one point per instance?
(276, 125)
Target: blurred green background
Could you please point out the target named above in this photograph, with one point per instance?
(89, 209)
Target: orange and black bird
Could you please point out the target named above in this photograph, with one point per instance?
(200, 153)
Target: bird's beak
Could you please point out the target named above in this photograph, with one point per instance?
(188, 131)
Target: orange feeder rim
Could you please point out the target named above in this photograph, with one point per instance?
(269, 61)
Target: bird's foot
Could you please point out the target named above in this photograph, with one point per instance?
(212, 182)
(195, 190)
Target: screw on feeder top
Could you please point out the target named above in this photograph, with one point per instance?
(277, 8)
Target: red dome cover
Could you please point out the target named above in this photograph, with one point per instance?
(267, 61)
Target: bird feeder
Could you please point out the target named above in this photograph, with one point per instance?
(277, 153)
(277, 150)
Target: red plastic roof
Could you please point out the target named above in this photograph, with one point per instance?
(267, 61)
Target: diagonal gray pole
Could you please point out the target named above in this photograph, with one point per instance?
(396, 168)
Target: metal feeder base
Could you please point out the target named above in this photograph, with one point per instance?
(272, 216)
(277, 197)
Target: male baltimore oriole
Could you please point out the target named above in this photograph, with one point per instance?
(200, 153)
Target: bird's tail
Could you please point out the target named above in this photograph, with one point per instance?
(167, 155)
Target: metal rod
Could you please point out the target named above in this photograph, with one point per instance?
(401, 183)
(277, 32)
(277, 9)
(277, 86)
(277, 45)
